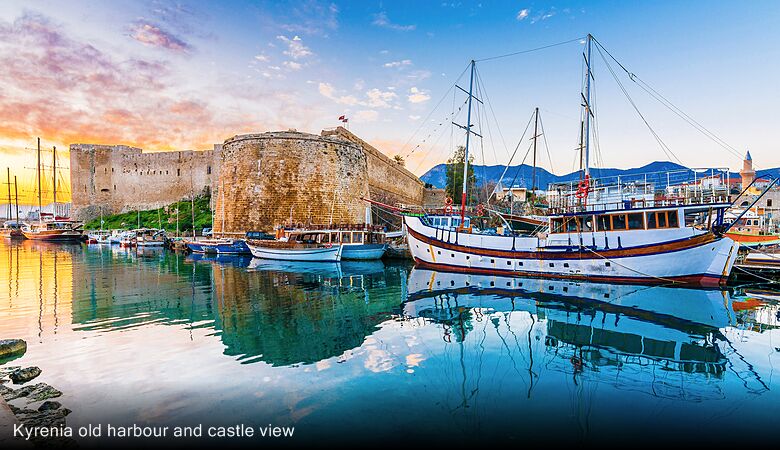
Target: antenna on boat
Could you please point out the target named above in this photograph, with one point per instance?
(586, 105)
(468, 136)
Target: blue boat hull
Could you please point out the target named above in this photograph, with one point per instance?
(238, 247)
(195, 247)
(363, 251)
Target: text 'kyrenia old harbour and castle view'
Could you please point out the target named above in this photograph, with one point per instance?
(309, 224)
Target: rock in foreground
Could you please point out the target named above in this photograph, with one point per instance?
(12, 347)
(24, 375)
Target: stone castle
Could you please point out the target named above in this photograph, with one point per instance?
(257, 181)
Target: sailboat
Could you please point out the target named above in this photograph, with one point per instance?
(664, 241)
(55, 229)
(12, 229)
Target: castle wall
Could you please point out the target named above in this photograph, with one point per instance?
(389, 182)
(276, 178)
(268, 179)
(113, 179)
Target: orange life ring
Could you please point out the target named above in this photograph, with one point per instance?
(583, 188)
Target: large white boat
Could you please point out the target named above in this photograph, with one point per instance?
(592, 234)
(150, 237)
(638, 245)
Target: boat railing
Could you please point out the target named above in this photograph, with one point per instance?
(653, 189)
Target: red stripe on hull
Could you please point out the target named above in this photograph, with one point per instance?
(691, 280)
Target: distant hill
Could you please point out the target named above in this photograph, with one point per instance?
(521, 175)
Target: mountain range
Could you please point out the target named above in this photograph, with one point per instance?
(521, 175)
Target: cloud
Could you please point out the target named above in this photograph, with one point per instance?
(381, 20)
(295, 47)
(543, 15)
(327, 90)
(262, 58)
(522, 14)
(292, 65)
(413, 117)
(402, 63)
(366, 116)
(417, 96)
(310, 17)
(153, 36)
(380, 99)
(69, 91)
(374, 98)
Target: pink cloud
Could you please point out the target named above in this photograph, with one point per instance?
(152, 35)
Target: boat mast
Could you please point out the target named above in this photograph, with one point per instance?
(54, 181)
(536, 135)
(588, 112)
(8, 169)
(16, 195)
(466, 156)
(38, 174)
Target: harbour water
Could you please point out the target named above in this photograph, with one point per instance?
(375, 352)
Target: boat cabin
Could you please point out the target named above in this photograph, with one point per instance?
(346, 237)
(448, 222)
(701, 217)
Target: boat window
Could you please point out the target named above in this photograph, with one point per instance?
(636, 221)
(345, 238)
(603, 223)
(662, 219)
(334, 238)
(672, 219)
(357, 238)
(455, 222)
(586, 223)
(570, 225)
(619, 222)
(556, 225)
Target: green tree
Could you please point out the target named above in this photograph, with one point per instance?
(454, 187)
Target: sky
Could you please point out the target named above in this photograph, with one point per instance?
(186, 75)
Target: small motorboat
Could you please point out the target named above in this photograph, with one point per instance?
(11, 230)
(298, 246)
(150, 237)
(99, 237)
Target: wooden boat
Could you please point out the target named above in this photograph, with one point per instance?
(11, 230)
(150, 237)
(127, 239)
(750, 230)
(361, 242)
(99, 237)
(54, 230)
(298, 246)
(207, 245)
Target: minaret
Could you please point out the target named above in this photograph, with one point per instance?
(747, 173)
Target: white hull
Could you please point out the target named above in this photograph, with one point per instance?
(320, 254)
(691, 259)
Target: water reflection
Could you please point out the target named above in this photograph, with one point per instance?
(312, 343)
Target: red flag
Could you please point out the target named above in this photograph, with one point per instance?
(341, 118)
(345, 120)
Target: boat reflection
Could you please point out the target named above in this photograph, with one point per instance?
(277, 312)
(637, 331)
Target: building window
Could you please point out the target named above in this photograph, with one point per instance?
(769, 203)
(178, 172)
(208, 170)
(115, 187)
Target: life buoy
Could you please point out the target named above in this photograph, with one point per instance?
(583, 188)
(448, 206)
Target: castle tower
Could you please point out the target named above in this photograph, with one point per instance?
(747, 173)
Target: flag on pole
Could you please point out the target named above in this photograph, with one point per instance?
(342, 118)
